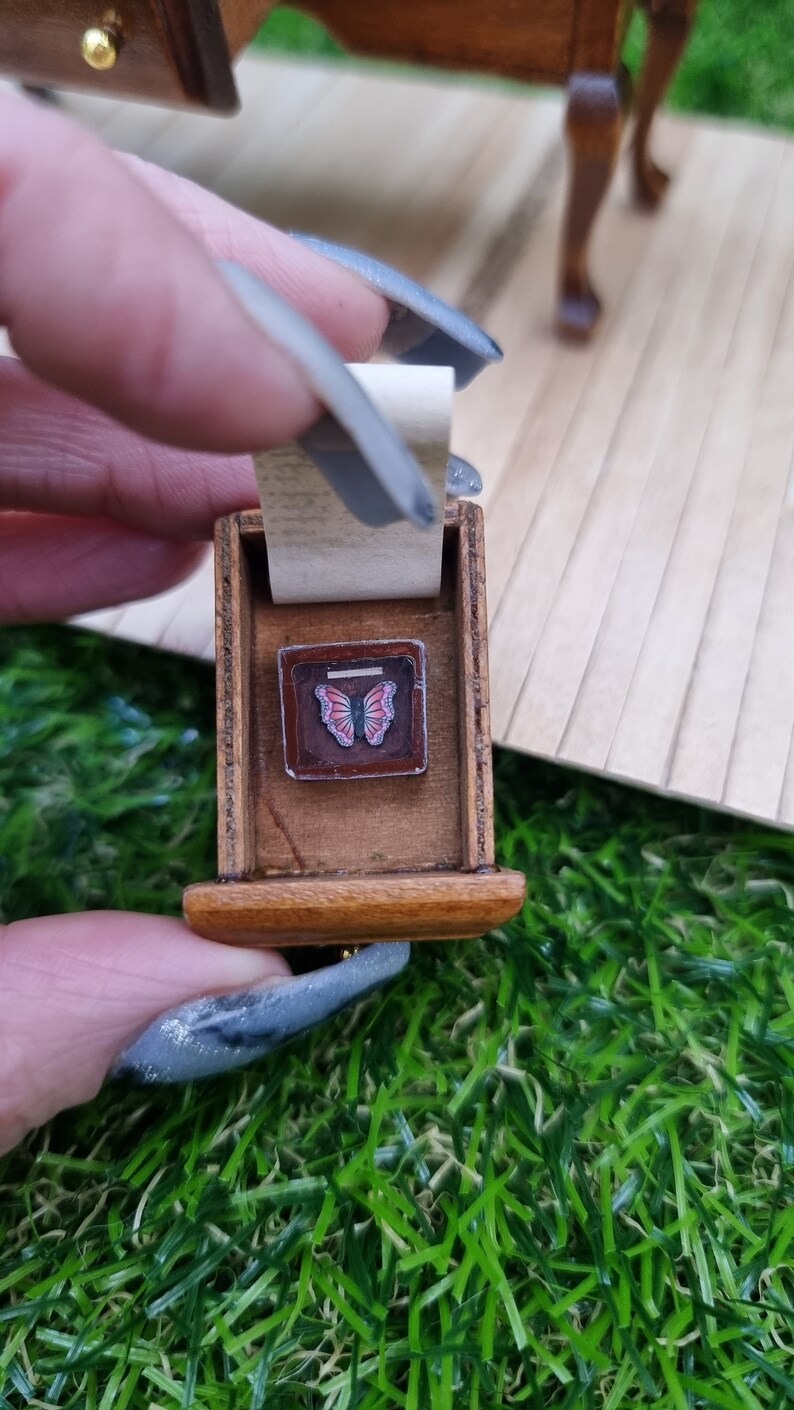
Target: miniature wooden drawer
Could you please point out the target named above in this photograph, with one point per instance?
(178, 51)
(321, 861)
(168, 51)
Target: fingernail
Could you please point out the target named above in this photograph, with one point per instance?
(388, 474)
(346, 470)
(423, 330)
(209, 1036)
(462, 478)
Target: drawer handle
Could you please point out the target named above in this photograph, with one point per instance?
(101, 46)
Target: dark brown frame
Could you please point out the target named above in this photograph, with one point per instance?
(410, 764)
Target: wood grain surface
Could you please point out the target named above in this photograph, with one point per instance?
(638, 491)
(171, 52)
(312, 861)
(269, 824)
(349, 910)
(520, 41)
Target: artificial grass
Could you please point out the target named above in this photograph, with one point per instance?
(738, 62)
(550, 1168)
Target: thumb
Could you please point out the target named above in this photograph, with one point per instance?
(75, 989)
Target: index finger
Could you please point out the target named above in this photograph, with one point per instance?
(108, 296)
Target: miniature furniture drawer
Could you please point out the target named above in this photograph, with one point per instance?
(364, 858)
(163, 50)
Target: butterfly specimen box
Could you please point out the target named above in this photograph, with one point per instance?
(327, 859)
(354, 750)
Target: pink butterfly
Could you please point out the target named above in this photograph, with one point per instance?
(351, 717)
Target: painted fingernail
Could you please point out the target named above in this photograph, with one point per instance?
(210, 1036)
(339, 460)
(423, 329)
(388, 475)
(463, 481)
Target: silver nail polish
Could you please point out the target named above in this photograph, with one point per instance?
(463, 481)
(214, 1035)
(388, 483)
(423, 330)
(337, 457)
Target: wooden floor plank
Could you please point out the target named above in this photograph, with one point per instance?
(484, 243)
(542, 376)
(759, 779)
(639, 491)
(608, 373)
(557, 668)
(649, 718)
(785, 813)
(125, 126)
(701, 752)
(275, 103)
(306, 187)
(181, 620)
(692, 369)
(538, 401)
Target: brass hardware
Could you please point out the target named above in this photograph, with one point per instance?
(101, 46)
(349, 951)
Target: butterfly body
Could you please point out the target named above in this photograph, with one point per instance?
(351, 717)
(358, 714)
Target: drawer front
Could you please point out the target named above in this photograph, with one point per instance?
(171, 51)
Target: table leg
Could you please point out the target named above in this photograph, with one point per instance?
(669, 27)
(593, 126)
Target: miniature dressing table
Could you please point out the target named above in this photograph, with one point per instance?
(181, 51)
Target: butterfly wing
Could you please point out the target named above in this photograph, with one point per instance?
(336, 714)
(378, 711)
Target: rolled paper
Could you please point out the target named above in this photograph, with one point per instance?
(210, 1036)
(314, 498)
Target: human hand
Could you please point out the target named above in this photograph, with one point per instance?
(123, 436)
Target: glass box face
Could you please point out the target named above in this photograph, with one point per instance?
(353, 709)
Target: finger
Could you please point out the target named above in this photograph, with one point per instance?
(428, 332)
(422, 328)
(75, 990)
(60, 456)
(212, 1035)
(343, 314)
(52, 567)
(116, 302)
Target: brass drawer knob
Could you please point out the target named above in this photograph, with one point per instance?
(101, 46)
